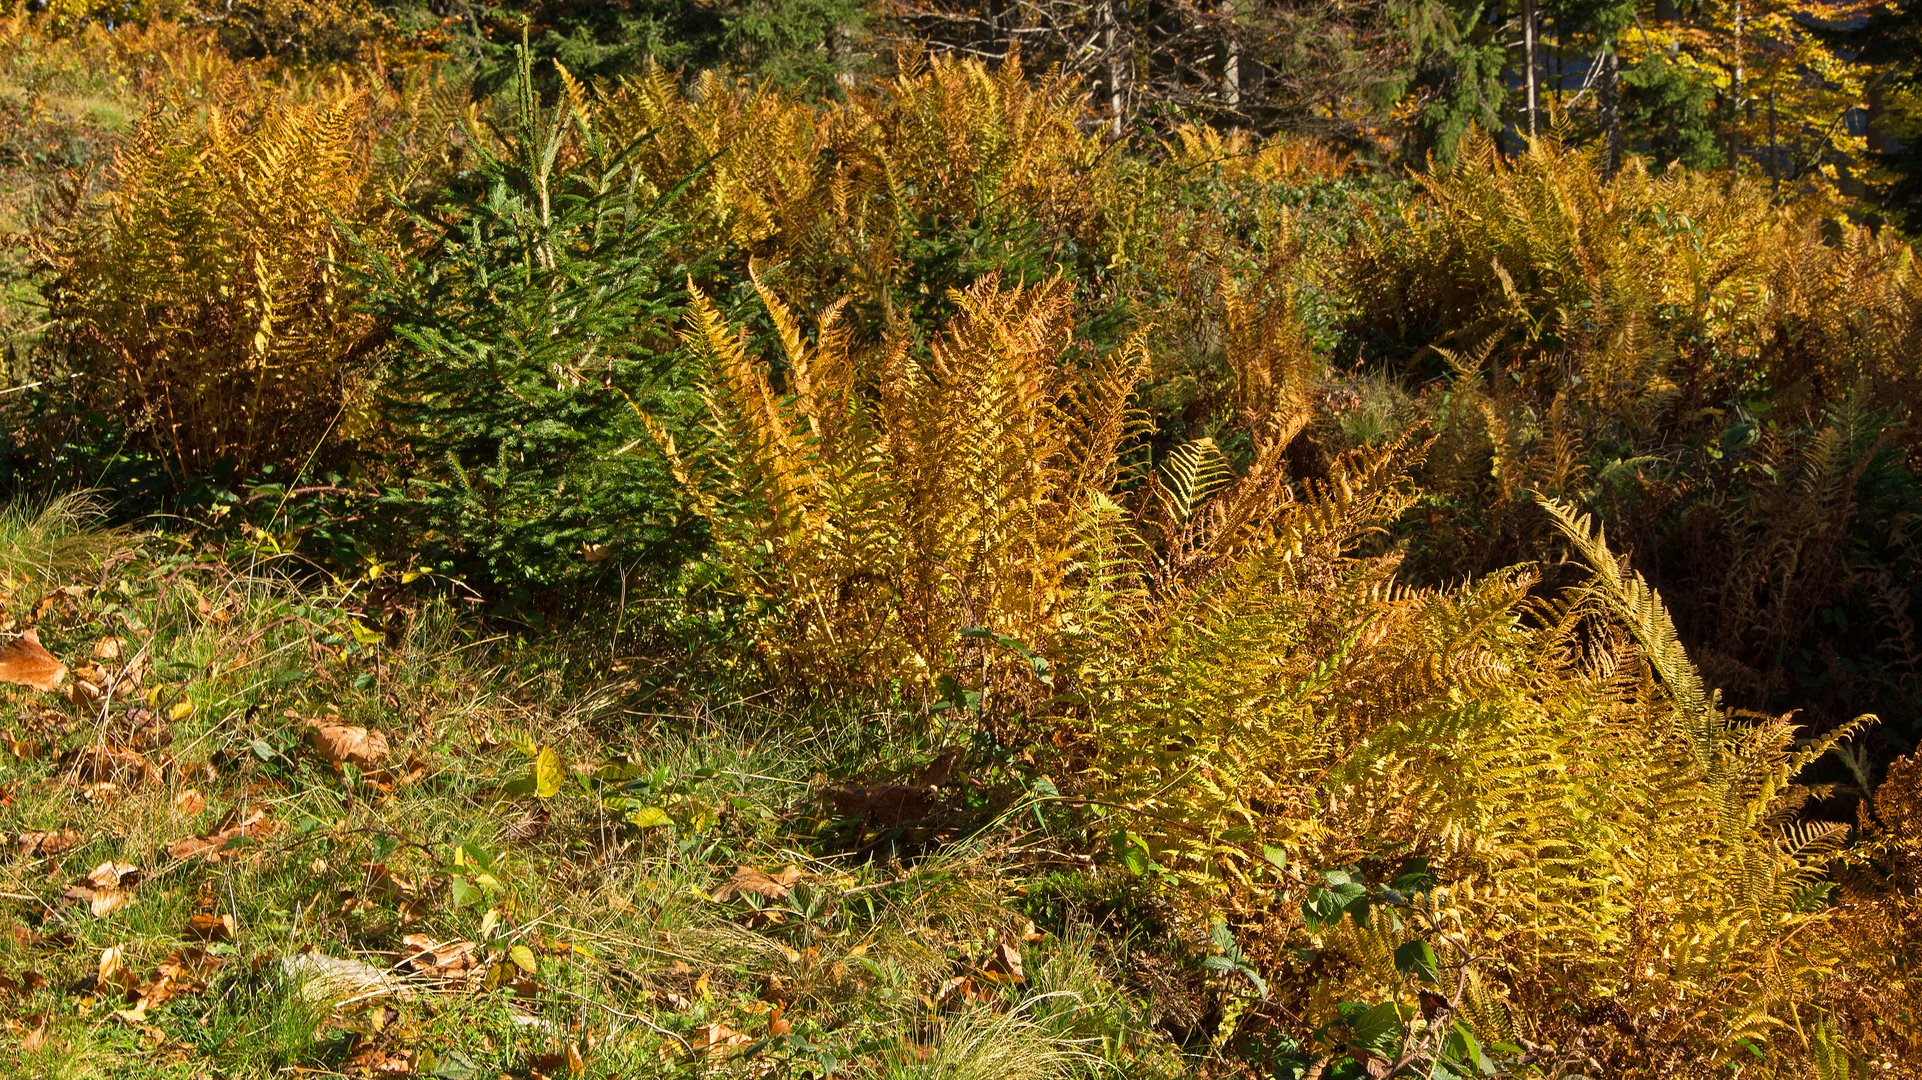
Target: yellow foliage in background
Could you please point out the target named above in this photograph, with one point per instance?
(304, 31)
(833, 194)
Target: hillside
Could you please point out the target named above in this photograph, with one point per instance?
(852, 540)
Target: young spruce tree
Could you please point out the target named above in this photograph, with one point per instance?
(530, 329)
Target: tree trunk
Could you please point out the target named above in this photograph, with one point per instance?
(1231, 51)
(1110, 27)
(1611, 102)
(1737, 105)
(1529, 64)
(1775, 150)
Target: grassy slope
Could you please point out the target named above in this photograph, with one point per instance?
(597, 946)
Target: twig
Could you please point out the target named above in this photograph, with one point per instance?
(642, 1020)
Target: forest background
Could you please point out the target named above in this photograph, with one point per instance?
(1028, 539)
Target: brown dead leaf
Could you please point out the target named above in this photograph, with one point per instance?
(25, 662)
(112, 975)
(941, 771)
(215, 844)
(208, 926)
(709, 1038)
(107, 889)
(46, 843)
(954, 992)
(85, 693)
(1004, 963)
(95, 764)
(36, 1039)
(337, 744)
(443, 961)
(887, 805)
(189, 802)
(383, 882)
(528, 826)
(184, 972)
(754, 882)
(107, 648)
(113, 875)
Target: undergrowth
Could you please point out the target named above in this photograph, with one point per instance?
(675, 575)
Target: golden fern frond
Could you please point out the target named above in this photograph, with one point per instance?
(1640, 608)
(1187, 477)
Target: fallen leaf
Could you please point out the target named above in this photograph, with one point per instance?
(85, 693)
(95, 764)
(184, 972)
(883, 804)
(112, 874)
(954, 990)
(35, 1039)
(717, 1036)
(215, 844)
(528, 826)
(389, 885)
(112, 973)
(25, 662)
(746, 879)
(1004, 963)
(189, 802)
(442, 961)
(46, 843)
(354, 745)
(107, 648)
(940, 772)
(107, 889)
(210, 927)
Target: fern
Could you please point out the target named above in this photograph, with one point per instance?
(1640, 608)
(200, 295)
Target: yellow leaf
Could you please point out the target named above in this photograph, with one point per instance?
(523, 958)
(548, 773)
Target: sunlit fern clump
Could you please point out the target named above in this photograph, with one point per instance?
(1576, 333)
(873, 504)
(199, 295)
(1630, 294)
(1625, 880)
(1236, 674)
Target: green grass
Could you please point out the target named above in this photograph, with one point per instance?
(599, 949)
(45, 542)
